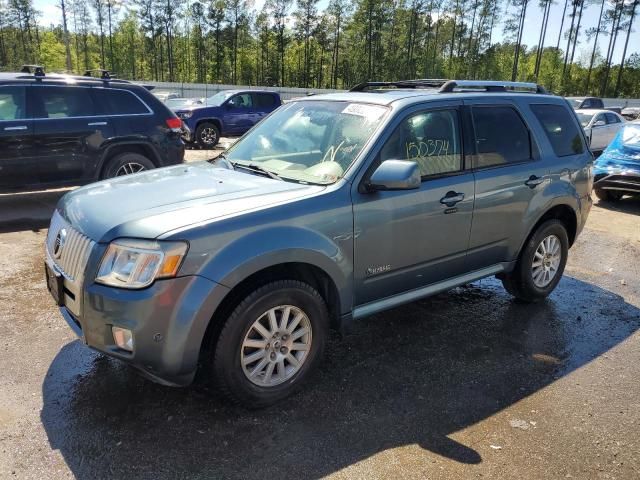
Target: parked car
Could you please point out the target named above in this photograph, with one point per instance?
(229, 113)
(182, 103)
(617, 170)
(580, 103)
(591, 103)
(600, 126)
(164, 96)
(631, 113)
(334, 207)
(59, 130)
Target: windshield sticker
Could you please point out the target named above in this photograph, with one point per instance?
(369, 112)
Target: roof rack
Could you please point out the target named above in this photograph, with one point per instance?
(491, 86)
(420, 83)
(104, 74)
(36, 70)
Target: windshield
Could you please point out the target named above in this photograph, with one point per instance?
(584, 118)
(218, 99)
(309, 141)
(575, 102)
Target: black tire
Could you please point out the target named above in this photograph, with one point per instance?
(608, 195)
(207, 135)
(228, 373)
(520, 282)
(127, 163)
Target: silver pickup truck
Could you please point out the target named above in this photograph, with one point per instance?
(334, 207)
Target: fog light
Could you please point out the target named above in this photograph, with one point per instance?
(123, 338)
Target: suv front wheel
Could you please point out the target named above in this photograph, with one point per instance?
(541, 263)
(271, 343)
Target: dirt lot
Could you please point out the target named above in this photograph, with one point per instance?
(466, 384)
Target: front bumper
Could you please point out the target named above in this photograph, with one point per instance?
(168, 321)
(627, 181)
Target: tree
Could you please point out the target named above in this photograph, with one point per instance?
(632, 16)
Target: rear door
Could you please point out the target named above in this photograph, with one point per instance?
(264, 104)
(613, 125)
(510, 173)
(69, 131)
(17, 154)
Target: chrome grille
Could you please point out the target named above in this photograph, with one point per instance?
(75, 251)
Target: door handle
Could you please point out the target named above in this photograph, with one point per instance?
(451, 198)
(13, 129)
(97, 124)
(534, 181)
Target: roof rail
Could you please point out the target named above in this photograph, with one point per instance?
(492, 86)
(420, 83)
(38, 70)
(104, 74)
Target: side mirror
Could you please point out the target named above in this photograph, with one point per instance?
(395, 175)
(228, 106)
(600, 123)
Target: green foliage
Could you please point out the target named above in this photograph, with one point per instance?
(294, 43)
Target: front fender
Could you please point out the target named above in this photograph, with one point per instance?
(277, 245)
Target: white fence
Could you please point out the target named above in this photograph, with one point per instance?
(197, 90)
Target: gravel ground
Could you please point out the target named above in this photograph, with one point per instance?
(462, 385)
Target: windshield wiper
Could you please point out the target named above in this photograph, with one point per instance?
(256, 168)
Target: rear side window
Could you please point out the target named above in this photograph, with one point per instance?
(61, 102)
(12, 103)
(118, 102)
(612, 118)
(560, 128)
(501, 136)
(265, 100)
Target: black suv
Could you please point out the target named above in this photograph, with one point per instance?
(59, 130)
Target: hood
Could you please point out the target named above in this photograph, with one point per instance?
(148, 204)
(194, 108)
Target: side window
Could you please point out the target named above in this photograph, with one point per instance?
(431, 139)
(12, 103)
(117, 102)
(242, 100)
(264, 100)
(612, 118)
(599, 118)
(501, 136)
(560, 128)
(62, 102)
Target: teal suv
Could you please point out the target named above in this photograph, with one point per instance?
(334, 207)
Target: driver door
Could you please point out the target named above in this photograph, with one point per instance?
(408, 239)
(239, 114)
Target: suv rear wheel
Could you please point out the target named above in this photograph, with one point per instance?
(271, 343)
(126, 164)
(207, 135)
(541, 263)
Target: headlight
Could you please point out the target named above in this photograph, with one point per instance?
(185, 115)
(132, 263)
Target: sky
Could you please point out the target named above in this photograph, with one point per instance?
(51, 14)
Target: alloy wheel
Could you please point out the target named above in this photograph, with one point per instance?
(546, 261)
(129, 168)
(276, 346)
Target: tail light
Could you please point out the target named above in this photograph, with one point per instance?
(175, 124)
